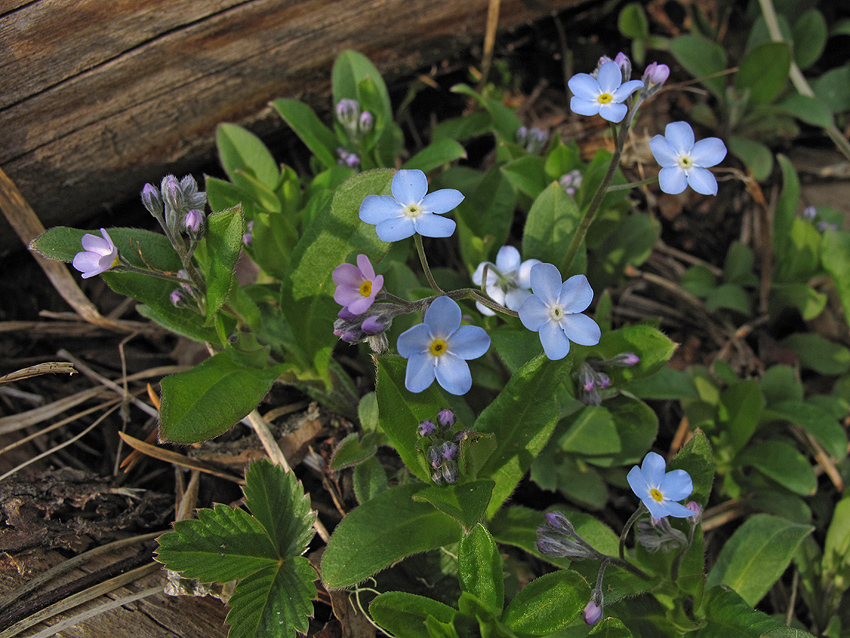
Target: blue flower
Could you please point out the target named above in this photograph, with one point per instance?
(440, 347)
(684, 163)
(411, 209)
(603, 94)
(554, 311)
(508, 280)
(658, 490)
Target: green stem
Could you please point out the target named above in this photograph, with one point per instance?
(128, 267)
(630, 185)
(417, 239)
(638, 512)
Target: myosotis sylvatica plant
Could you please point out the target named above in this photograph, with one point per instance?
(527, 377)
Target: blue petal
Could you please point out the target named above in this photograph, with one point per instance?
(555, 342)
(672, 180)
(581, 329)
(533, 313)
(413, 341)
(377, 208)
(478, 275)
(515, 296)
(409, 186)
(663, 151)
(659, 510)
(613, 112)
(653, 468)
(638, 484)
(430, 225)
(453, 374)
(702, 181)
(677, 510)
(395, 229)
(625, 90)
(677, 484)
(708, 152)
(576, 294)
(610, 77)
(681, 137)
(583, 106)
(508, 259)
(469, 342)
(443, 317)
(584, 85)
(546, 283)
(524, 275)
(484, 310)
(420, 372)
(442, 201)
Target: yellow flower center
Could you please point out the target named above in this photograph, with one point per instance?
(656, 494)
(605, 98)
(366, 288)
(438, 347)
(412, 210)
(685, 162)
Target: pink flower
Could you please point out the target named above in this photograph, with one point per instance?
(356, 286)
(99, 255)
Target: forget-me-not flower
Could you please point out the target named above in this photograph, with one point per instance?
(356, 286)
(440, 347)
(660, 490)
(685, 163)
(411, 209)
(554, 311)
(603, 94)
(99, 255)
(508, 280)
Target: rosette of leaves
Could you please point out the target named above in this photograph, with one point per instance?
(261, 550)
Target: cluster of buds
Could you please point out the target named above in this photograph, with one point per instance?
(347, 158)
(571, 182)
(178, 206)
(592, 380)
(532, 139)
(356, 123)
(658, 534)
(443, 447)
(369, 326)
(559, 539)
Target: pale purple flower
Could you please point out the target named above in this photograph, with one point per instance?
(357, 286)
(656, 74)
(99, 255)
(660, 490)
(508, 280)
(554, 311)
(592, 614)
(446, 417)
(194, 221)
(411, 209)
(603, 95)
(439, 348)
(685, 163)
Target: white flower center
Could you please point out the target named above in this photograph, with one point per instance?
(685, 162)
(412, 211)
(556, 313)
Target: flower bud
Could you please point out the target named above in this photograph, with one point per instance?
(372, 325)
(696, 509)
(624, 360)
(450, 472)
(449, 450)
(656, 74)
(151, 200)
(809, 213)
(625, 65)
(446, 418)
(551, 547)
(347, 112)
(602, 380)
(427, 428)
(592, 614)
(559, 523)
(194, 222)
(366, 122)
(435, 457)
(522, 135)
(178, 298)
(172, 194)
(248, 238)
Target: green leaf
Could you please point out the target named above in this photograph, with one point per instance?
(181, 321)
(729, 296)
(504, 118)
(527, 174)
(810, 32)
(782, 463)
(316, 136)
(667, 384)
(756, 556)
(591, 431)
(833, 89)
(547, 604)
(480, 568)
(222, 544)
(207, 400)
(370, 479)
(836, 550)
(699, 280)
(218, 252)
(522, 426)
(277, 501)
(632, 22)
(629, 245)
(801, 257)
(637, 426)
(349, 72)
(817, 422)
(738, 267)
(779, 383)
(550, 226)
(382, 531)
(728, 615)
(697, 460)
(786, 207)
(740, 410)
(818, 353)
(465, 502)
(763, 73)
(435, 155)
(275, 602)
(801, 296)
(241, 150)
(611, 628)
(352, 450)
(835, 257)
(807, 109)
(701, 58)
(755, 155)
(405, 614)
(464, 127)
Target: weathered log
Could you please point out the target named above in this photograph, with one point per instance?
(100, 96)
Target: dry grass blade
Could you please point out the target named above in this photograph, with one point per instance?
(52, 367)
(178, 459)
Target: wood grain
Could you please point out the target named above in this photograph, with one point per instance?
(100, 96)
